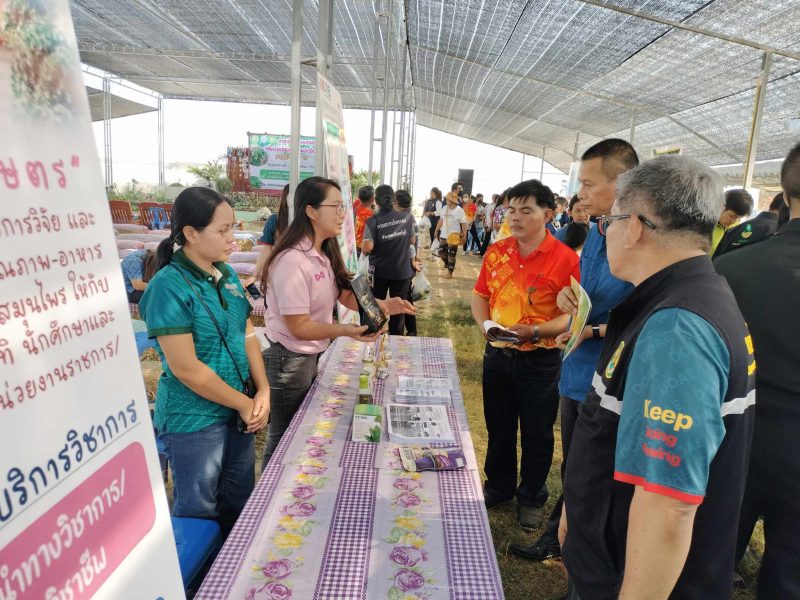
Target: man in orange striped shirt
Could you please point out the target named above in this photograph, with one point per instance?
(515, 296)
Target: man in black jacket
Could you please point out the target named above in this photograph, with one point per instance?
(755, 230)
(765, 279)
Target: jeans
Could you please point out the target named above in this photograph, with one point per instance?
(472, 233)
(213, 472)
(569, 415)
(290, 376)
(520, 391)
(448, 254)
(396, 287)
(476, 240)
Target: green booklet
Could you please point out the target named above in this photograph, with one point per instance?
(579, 321)
(367, 423)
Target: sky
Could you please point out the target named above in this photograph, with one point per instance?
(195, 132)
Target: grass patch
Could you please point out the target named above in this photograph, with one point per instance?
(522, 580)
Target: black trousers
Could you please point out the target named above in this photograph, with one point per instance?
(434, 222)
(569, 415)
(396, 287)
(487, 237)
(520, 392)
(779, 575)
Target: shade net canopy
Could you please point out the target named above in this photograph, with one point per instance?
(520, 74)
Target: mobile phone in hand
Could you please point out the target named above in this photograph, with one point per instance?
(496, 334)
(253, 291)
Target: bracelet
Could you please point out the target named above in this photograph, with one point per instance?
(596, 332)
(535, 336)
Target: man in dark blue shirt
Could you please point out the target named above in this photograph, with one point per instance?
(601, 165)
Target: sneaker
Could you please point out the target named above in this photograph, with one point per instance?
(542, 549)
(528, 516)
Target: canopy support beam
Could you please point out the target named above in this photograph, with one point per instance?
(297, 50)
(699, 30)
(755, 126)
(109, 169)
(161, 182)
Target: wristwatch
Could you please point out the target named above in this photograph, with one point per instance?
(535, 336)
(596, 332)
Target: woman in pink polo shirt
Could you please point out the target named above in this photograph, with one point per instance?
(303, 278)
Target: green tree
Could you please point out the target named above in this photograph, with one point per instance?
(362, 178)
(212, 171)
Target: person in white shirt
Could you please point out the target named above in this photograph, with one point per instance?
(451, 231)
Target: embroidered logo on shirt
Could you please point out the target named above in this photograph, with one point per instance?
(320, 275)
(612, 364)
(234, 290)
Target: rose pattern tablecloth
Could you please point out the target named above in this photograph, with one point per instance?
(334, 519)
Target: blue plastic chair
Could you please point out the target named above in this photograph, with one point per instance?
(197, 541)
(158, 217)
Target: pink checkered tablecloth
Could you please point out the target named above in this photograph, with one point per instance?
(333, 519)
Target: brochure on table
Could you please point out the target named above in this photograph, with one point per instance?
(83, 511)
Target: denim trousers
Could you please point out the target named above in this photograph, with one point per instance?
(213, 471)
(290, 375)
(520, 392)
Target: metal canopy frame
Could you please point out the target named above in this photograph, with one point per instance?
(521, 74)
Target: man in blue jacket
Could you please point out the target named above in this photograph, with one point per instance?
(601, 165)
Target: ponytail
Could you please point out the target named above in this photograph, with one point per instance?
(164, 253)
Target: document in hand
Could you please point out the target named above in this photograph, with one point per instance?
(578, 321)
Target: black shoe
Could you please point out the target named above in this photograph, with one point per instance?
(492, 500)
(543, 549)
(528, 517)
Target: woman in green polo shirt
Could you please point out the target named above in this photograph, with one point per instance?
(202, 415)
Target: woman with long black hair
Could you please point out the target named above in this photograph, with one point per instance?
(196, 310)
(302, 280)
(432, 208)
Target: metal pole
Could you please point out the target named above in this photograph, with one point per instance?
(161, 181)
(394, 119)
(385, 123)
(402, 118)
(323, 38)
(541, 163)
(687, 27)
(375, 40)
(107, 132)
(294, 156)
(633, 128)
(575, 147)
(413, 150)
(522, 173)
(758, 112)
(408, 149)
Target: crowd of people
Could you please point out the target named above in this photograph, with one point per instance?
(662, 485)
(669, 461)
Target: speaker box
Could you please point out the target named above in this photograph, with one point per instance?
(465, 178)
